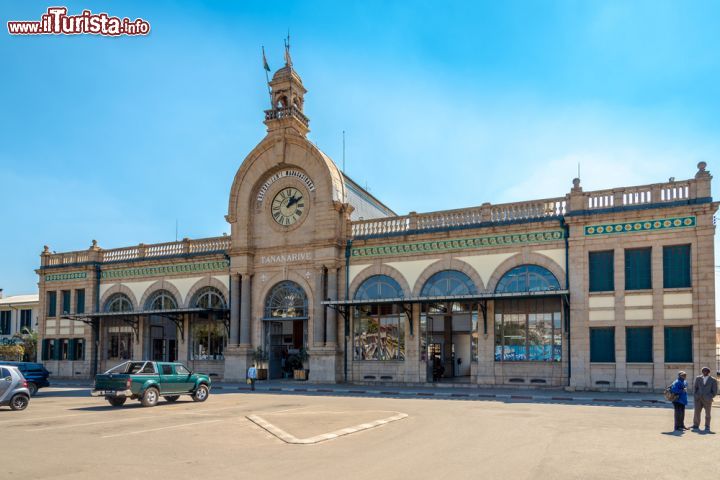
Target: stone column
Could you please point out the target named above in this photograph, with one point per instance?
(234, 309)
(318, 330)
(245, 311)
(331, 313)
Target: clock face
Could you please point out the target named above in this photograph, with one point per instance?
(288, 206)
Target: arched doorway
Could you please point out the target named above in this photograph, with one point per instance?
(285, 324)
(162, 334)
(449, 328)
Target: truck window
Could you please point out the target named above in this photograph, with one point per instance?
(122, 368)
(148, 368)
(181, 370)
(167, 370)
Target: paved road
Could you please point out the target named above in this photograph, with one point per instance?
(65, 434)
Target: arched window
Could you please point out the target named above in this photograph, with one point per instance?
(118, 302)
(286, 300)
(448, 283)
(527, 278)
(378, 287)
(209, 297)
(161, 300)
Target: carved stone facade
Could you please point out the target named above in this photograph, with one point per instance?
(488, 295)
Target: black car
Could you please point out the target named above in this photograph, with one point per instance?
(35, 374)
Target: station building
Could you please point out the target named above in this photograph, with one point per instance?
(610, 289)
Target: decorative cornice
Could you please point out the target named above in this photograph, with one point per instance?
(60, 277)
(639, 226)
(459, 244)
(180, 268)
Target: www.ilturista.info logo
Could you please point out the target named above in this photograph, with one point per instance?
(57, 22)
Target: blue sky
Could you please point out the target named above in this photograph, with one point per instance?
(445, 105)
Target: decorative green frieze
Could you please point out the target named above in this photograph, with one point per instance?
(639, 226)
(459, 243)
(60, 277)
(157, 270)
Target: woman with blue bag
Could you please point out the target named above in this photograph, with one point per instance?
(679, 388)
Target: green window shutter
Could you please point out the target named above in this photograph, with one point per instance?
(602, 344)
(52, 304)
(58, 347)
(65, 301)
(80, 301)
(678, 345)
(602, 271)
(639, 344)
(676, 266)
(45, 349)
(71, 349)
(638, 270)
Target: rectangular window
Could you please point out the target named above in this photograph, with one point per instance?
(79, 349)
(66, 301)
(528, 330)
(638, 272)
(5, 322)
(119, 342)
(602, 344)
(64, 349)
(52, 304)
(639, 344)
(208, 340)
(26, 320)
(379, 333)
(602, 271)
(80, 300)
(676, 266)
(45, 353)
(678, 345)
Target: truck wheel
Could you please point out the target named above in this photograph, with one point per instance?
(19, 402)
(201, 393)
(117, 401)
(150, 397)
(33, 389)
(172, 398)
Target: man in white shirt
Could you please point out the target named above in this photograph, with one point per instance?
(704, 390)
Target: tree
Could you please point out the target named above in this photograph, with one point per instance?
(29, 340)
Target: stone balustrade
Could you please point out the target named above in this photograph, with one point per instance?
(287, 112)
(548, 208)
(138, 252)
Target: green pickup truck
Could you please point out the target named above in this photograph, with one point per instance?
(148, 381)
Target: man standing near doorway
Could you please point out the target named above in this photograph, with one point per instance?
(704, 389)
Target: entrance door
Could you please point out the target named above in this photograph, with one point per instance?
(448, 336)
(163, 340)
(283, 340)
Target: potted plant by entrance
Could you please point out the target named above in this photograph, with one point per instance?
(260, 357)
(297, 362)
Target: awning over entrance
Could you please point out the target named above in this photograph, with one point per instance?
(448, 298)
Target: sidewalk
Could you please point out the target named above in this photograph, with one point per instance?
(468, 392)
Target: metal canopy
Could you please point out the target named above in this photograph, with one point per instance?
(132, 317)
(447, 298)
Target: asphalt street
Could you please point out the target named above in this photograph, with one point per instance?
(64, 433)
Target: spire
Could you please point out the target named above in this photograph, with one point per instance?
(287, 96)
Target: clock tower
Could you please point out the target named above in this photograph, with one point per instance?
(289, 214)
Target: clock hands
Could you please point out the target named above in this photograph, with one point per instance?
(293, 200)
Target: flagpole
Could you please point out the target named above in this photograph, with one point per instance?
(266, 67)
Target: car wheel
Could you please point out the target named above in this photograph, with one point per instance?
(172, 398)
(117, 401)
(33, 389)
(19, 402)
(150, 397)
(201, 393)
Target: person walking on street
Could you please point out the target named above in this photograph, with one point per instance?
(252, 376)
(704, 390)
(679, 388)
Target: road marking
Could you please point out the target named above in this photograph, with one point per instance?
(163, 428)
(289, 438)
